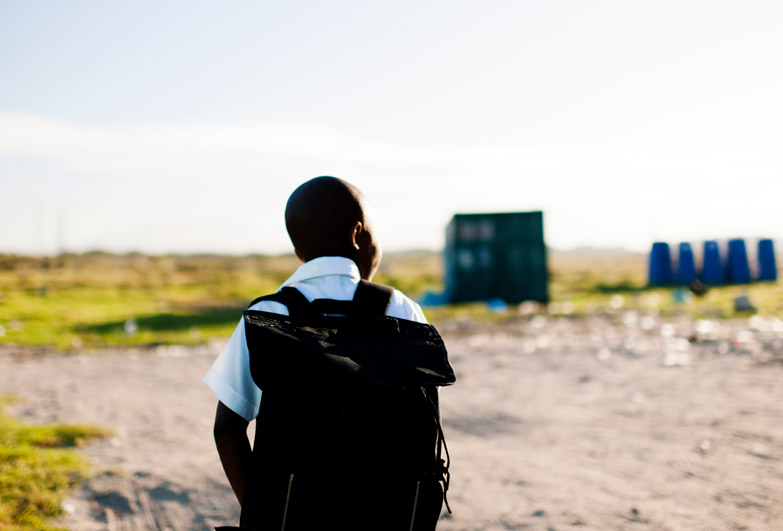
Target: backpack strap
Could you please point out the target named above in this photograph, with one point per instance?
(288, 296)
(369, 299)
(372, 299)
(441, 465)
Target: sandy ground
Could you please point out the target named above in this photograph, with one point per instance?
(615, 422)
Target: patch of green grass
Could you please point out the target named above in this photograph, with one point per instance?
(85, 301)
(590, 284)
(97, 300)
(37, 468)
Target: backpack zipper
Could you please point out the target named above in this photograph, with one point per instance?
(287, 500)
(415, 504)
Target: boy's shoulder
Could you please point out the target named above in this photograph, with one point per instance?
(401, 307)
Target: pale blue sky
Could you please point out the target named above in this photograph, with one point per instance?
(173, 126)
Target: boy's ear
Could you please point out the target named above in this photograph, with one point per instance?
(299, 255)
(356, 230)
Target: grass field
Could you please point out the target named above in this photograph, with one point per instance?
(96, 300)
(37, 467)
(604, 281)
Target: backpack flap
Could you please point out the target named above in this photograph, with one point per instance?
(302, 353)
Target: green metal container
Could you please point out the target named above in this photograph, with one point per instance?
(496, 256)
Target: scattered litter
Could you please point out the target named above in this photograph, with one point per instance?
(743, 304)
(682, 295)
(14, 324)
(706, 328)
(528, 308)
(647, 322)
(698, 288)
(616, 302)
(630, 319)
(678, 344)
(676, 354)
(529, 346)
(2, 330)
(667, 330)
(538, 321)
(434, 299)
(497, 305)
(604, 354)
(68, 508)
(676, 359)
(131, 327)
(757, 322)
(705, 446)
(636, 517)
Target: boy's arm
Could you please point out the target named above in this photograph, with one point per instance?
(233, 447)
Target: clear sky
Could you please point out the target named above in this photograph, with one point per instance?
(184, 126)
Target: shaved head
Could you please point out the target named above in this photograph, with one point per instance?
(326, 217)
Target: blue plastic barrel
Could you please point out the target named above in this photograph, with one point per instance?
(712, 266)
(767, 268)
(660, 264)
(738, 270)
(686, 270)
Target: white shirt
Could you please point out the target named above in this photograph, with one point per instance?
(328, 277)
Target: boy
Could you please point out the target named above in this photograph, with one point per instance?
(330, 226)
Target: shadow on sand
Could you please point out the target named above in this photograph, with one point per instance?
(172, 322)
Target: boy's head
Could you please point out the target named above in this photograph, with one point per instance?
(327, 216)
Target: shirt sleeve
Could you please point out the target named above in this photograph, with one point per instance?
(230, 378)
(403, 307)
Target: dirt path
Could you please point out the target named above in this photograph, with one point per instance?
(606, 423)
(161, 470)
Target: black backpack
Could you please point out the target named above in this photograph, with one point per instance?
(348, 435)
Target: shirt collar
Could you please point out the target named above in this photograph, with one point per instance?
(323, 267)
